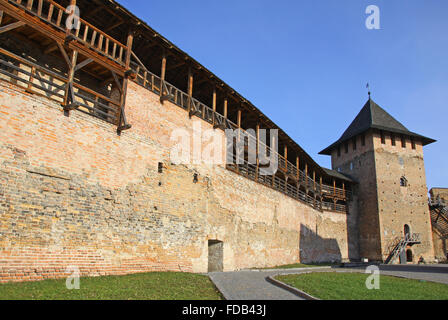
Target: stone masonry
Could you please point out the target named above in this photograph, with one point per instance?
(73, 193)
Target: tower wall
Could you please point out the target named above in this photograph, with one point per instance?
(360, 165)
(385, 207)
(398, 205)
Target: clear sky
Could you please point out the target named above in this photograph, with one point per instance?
(305, 63)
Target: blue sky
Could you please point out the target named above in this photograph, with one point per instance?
(306, 63)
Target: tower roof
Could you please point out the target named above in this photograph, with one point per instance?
(372, 116)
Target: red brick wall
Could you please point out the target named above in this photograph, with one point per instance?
(74, 193)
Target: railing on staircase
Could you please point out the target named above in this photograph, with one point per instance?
(401, 244)
(439, 216)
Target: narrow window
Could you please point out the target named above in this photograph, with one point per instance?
(403, 182)
(354, 144)
(403, 141)
(383, 138)
(392, 138)
(160, 169)
(413, 144)
(195, 178)
(346, 147)
(339, 151)
(363, 140)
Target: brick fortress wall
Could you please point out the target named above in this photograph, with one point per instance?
(73, 193)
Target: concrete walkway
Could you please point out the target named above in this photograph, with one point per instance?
(252, 285)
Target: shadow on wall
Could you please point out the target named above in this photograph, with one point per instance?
(314, 248)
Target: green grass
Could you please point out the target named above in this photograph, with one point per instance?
(351, 286)
(301, 265)
(145, 286)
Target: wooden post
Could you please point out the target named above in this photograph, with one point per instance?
(334, 187)
(69, 87)
(238, 139)
(286, 158)
(343, 189)
(314, 187)
(214, 107)
(273, 147)
(162, 73)
(298, 170)
(258, 148)
(321, 200)
(190, 88)
(124, 89)
(306, 177)
(31, 80)
(321, 184)
(1, 16)
(225, 108)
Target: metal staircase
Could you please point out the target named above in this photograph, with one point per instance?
(401, 245)
(439, 216)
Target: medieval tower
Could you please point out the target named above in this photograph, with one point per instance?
(386, 161)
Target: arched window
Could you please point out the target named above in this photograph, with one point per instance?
(407, 230)
(403, 182)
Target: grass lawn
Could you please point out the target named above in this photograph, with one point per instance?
(301, 265)
(351, 286)
(145, 286)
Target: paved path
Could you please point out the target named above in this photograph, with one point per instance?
(252, 285)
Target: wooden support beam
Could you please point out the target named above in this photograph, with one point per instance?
(83, 64)
(257, 151)
(306, 177)
(50, 49)
(273, 147)
(64, 54)
(334, 187)
(298, 168)
(117, 82)
(1, 16)
(69, 91)
(239, 118)
(286, 158)
(11, 26)
(190, 89)
(214, 107)
(226, 102)
(163, 68)
(122, 122)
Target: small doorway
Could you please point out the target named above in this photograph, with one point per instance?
(215, 256)
(409, 256)
(407, 231)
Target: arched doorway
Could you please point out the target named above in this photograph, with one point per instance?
(409, 256)
(407, 231)
(215, 256)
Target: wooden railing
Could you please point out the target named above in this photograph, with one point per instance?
(54, 14)
(170, 93)
(259, 175)
(335, 192)
(42, 81)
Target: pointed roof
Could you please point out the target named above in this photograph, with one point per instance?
(372, 116)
